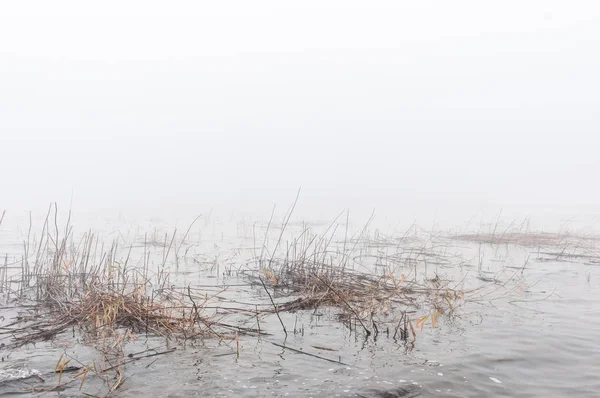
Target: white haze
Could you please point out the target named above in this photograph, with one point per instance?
(434, 111)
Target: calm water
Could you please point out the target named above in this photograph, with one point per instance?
(535, 336)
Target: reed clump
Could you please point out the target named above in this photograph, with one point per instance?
(369, 278)
(563, 246)
(359, 294)
(528, 239)
(79, 284)
(98, 312)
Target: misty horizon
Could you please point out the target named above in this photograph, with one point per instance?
(419, 111)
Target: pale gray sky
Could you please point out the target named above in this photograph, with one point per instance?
(415, 107)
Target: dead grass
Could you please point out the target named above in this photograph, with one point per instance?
(375, 282)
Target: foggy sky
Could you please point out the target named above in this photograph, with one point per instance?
(413, 108)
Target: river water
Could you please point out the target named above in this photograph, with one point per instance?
(533, 333)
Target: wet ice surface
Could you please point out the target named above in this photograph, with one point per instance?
(540, 340)
(19, 373)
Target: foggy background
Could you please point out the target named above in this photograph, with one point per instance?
(434, 111)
